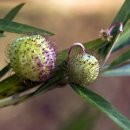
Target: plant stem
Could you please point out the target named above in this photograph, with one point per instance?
(111, 48)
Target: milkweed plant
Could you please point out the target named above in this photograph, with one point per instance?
(35, 64)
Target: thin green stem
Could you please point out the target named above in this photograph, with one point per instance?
(109, 52)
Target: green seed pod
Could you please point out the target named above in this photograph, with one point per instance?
(83, 68)
(32, 57)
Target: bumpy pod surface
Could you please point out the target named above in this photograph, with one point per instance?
(32, 57)
(83, 69)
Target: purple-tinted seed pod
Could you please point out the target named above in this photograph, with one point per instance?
(82, 68)
(32, 57)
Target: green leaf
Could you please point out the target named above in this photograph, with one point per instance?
(120, 71)
(4, 70)
(94, 45)
(13, 86)
(14, 12)
(14, 27)
(103, 105)
(123, 16)
(10, 86)
(10, 16)
(16, 98)
(124, 13)
(124, 39)
(121, 59)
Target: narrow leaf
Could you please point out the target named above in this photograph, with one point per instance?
(124, 13)
(15, 87)
(121, 59)
(14, 99)
(14, 27)
(120, 71)
(4, 70)
(94, 45)
(13, 12)
(10, 86)
(124, 39)
(103, 105)
(10, 16)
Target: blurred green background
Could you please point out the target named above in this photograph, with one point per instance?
(72, 21)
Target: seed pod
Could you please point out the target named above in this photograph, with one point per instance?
(32, 57)
(83, 68)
